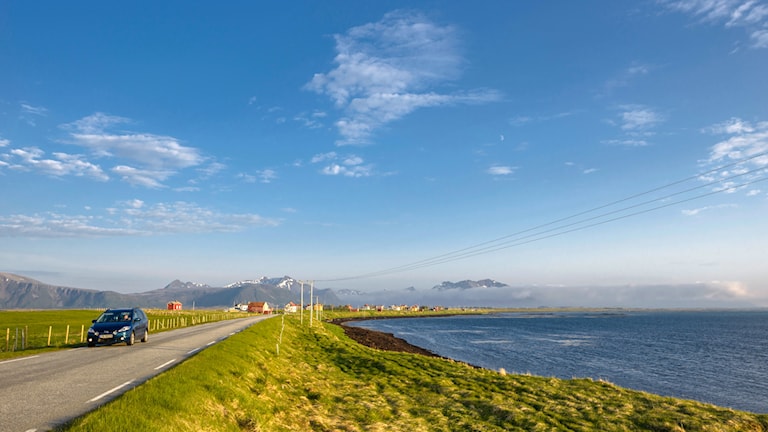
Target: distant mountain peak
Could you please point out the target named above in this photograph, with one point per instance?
(10, 277)
(179, 285)
(469, 284)
(285, 282)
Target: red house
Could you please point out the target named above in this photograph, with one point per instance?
(259, 307)
(174, 305)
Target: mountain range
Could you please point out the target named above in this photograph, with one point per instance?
(19, 292)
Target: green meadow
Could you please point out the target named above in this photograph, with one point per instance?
(282, 375)
(24, 332)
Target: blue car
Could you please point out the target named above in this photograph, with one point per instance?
(119, 325)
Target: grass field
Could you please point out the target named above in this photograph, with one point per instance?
(282, 376)
(30, 332)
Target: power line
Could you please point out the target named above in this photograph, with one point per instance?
(513, 239)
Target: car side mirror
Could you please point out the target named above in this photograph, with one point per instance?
(93, 321)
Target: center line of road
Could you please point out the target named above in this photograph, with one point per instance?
(18, 359)
(110, 391)
(165, 364)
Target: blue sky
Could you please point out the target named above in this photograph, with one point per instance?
(408, 142)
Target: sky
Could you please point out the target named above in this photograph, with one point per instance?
(593, 152)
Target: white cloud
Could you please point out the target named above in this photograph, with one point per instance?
(324, 157)
(523, 120)
(61, 164)
(212, 169)
(732, 126)
(746, 145)
(501, 170)
(626, 77)
(140, 177)
(267, 175)
(636, 117)
(384, 68)
(747, 140)
(4, 142)
(311, 121)
(348, 166)
(759, 38)
(30, 113)
(749, 14)
(248, 178)
(34, 110)
(132, 217)
(626, 142)
(150, 158)
(697, 211)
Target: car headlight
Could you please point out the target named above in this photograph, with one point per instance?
(124, 329)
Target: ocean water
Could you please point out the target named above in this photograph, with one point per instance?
(718, 357)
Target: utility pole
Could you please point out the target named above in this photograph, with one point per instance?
(311, 293)
(301, 305)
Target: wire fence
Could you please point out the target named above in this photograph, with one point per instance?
(58, 335)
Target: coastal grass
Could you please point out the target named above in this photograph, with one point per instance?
(281, 375)
(28, 332)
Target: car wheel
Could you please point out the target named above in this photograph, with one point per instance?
(131, 339)
(91, 345)
(146, 336)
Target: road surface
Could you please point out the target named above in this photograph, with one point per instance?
(42, 391)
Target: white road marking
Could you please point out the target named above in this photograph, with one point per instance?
(210, 343)
(193, 351)
(165, 364)
(18, 359)
(110, 391)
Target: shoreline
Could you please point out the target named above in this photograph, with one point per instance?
(387, 341)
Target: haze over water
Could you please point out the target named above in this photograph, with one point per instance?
(718, 357)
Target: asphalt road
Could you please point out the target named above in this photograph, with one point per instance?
(40, 392)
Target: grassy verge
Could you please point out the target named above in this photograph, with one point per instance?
(282, 376)
(24, 332)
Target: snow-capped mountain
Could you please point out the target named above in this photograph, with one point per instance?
(179, 285)
(469, 284)
(285, 282)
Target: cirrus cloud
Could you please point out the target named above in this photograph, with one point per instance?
(131, 218)
(384, 71)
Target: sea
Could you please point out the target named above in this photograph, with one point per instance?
(717, 357)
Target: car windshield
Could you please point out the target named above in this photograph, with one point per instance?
(114, 317)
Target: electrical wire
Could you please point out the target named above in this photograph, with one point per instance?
(514, 239)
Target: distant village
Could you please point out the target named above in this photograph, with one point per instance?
(291, 307)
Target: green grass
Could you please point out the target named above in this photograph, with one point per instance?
(319, 380)
(24, 332)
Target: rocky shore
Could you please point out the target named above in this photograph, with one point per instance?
(379, 340)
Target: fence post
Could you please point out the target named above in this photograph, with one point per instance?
(49, 335)
(7, 338)
(66, 338)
